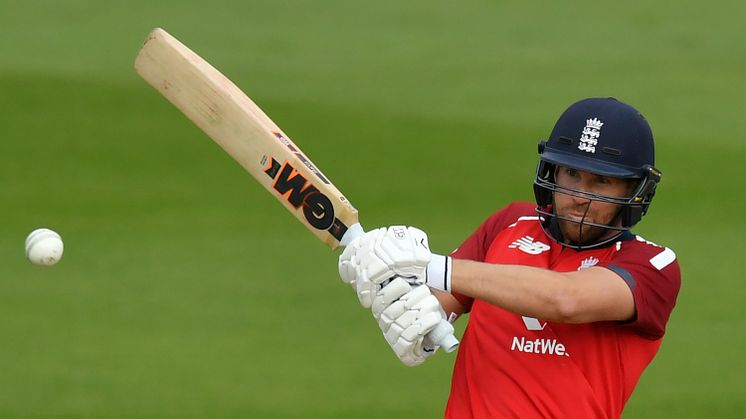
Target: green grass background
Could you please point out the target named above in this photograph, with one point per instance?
(186, 291)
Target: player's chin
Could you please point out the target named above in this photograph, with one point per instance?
(578, 234)
(570, 230)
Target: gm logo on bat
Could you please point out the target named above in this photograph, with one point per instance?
(318, 209)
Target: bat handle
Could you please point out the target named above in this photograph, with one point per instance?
(442, 334)
(353, 232)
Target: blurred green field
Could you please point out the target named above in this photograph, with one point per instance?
(175, 297)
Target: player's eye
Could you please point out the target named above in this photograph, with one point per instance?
(571, 172)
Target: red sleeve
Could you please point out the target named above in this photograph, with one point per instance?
(475, 247)
(652, 273)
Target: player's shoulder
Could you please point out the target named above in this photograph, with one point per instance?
(641, 244)
(652, 271)
(657, 255)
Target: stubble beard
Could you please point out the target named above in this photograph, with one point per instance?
(577, 233)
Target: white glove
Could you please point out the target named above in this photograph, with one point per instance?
(381, 255)
(406, 315)
(388, 267)
(348, 260)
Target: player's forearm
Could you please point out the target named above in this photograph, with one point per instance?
(449, 303)
(523, 290)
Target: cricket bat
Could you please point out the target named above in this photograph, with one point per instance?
(227, 115)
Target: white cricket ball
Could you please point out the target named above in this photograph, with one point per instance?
(44, 247)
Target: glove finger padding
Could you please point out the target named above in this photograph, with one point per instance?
(353, 262)
(380, 255)
(349, 260)
(366, 290)
(375, 263)
(406, 321)
(348, 263)
(388, 296)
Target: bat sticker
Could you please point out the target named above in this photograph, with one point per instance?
(317, 207)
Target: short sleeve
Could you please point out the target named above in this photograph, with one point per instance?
(653, 274)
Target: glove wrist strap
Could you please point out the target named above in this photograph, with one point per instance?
(438, 274)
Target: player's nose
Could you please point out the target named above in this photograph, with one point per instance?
(580, 200)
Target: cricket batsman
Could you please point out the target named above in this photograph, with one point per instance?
(566, 305)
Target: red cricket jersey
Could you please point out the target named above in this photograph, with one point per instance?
(509, 366)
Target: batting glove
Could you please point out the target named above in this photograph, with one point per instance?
(406, 315)
(379, 256)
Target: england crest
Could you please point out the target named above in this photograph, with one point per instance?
(589, 137)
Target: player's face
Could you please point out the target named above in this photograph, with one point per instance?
(577, 209)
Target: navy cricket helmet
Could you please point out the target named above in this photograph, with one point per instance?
(606, 137)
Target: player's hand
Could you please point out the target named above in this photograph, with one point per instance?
(406, 314)
(379, 256)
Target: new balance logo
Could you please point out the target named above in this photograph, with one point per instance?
(528, 245)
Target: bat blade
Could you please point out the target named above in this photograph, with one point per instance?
(231, 119)
(217, 106)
